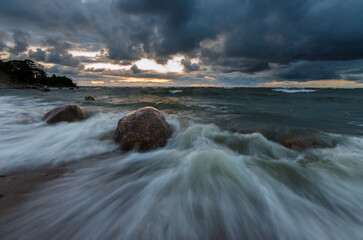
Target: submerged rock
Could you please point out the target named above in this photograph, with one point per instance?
(89, 98)
(65, 113)
(248, 131)
(301, 143)
(144, 129)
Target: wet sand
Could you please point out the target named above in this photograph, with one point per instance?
(15, 186)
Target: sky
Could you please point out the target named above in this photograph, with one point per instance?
(264, 43)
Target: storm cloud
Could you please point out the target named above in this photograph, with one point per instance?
(2, 40)
(287, 39)
(20, 42)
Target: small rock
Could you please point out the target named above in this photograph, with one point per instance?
(250, 131)
(144, 129)
(66, 113)
(2, 176)
(301, 143)
(89, 98)
(45, 174)
(247, 131)
(71, 88)
(46, 90)
(2, 195)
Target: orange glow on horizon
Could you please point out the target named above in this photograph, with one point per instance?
(145, 80)
(97, 82)
(202, 85)
(209, 78)
(332, 83)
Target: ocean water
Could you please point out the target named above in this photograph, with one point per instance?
(208, 182)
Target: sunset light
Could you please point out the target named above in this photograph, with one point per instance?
(97, 82)
(316, 84)
(84, 54)
(106, 66)
(181, 119)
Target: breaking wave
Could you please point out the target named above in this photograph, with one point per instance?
(176, 91)
(27, 142)
(286, 90)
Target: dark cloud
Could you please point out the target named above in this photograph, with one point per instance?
(55, 51)
(63, 59)
(38, 55)
(250, 66)
(57, 45)
(162, 28)
(67, 16)
(64, 70)
(318, 70)
(262, 31)
(125, 62)
(3, 36)
(306, 39)
(189, 66)
(135, 69)
(286, 31)
(304, 70)
(21, 44)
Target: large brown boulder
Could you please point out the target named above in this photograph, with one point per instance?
(144, 129)
(301, 143)
(65, 113)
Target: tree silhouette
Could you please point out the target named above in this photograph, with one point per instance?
(29, 72)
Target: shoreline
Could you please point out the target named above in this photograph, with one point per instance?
(16, 186)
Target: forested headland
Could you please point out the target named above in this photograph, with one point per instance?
(18, 73)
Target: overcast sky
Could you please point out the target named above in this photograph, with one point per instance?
(189, 42)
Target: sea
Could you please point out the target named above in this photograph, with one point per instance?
(209, 182)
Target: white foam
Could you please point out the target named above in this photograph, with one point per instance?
(205, 184)
(176, 91)
(287, 90)
(207, 106)
(28, 142)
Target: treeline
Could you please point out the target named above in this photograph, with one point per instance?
(29, 72)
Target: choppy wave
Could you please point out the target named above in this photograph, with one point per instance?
(286, 90)
(205, 184)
